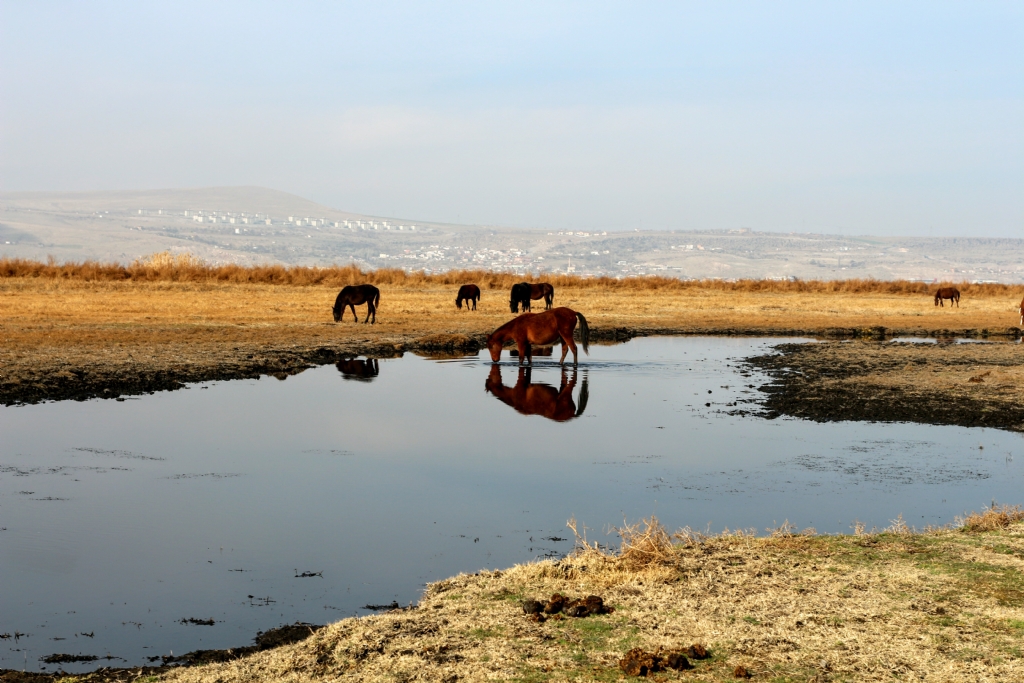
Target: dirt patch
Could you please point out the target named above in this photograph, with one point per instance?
(972, 385)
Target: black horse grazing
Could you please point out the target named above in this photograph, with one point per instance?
(951, 293)
(524, 292)
(467, 293)
(357, 295)
(358, 369)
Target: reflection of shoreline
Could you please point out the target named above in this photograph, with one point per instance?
(541, 399)
(360, 370)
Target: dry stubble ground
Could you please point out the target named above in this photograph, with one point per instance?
(944, 605)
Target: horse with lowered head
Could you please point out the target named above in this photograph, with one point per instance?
(541, 328)
(467, 293)
(951, 293)
(524, 292)
(356, 295)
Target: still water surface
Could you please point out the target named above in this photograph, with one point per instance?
(121, 519)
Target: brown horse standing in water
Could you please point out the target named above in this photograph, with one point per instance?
(541, 328)
(357, 295)
(524, 292)
(539, 399)
(467, 293)
(950, 293)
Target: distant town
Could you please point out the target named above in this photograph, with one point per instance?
(252, 225)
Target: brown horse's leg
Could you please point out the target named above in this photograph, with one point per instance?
(565, 349)
(353, 307)
(568, 344)
(370, 309)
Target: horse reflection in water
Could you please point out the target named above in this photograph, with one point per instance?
(539, 399)
(361, 370)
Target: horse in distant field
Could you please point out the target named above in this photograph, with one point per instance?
(467, 293)
(357, 295)
(539, 399)
(542, 329)
(524, 292)
(359, 370)
(950, 293)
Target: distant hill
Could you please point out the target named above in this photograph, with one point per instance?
(221, 199)
(258, 225)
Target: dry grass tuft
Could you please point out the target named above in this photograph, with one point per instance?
(645, 544)
(184, 267)
(992, 518)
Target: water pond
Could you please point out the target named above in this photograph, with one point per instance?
(127, 526)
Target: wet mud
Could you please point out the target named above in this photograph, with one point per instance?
(265, 640)
(964, 384)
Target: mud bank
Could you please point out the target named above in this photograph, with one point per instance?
(967, 384)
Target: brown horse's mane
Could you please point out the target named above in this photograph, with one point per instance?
(505, 331)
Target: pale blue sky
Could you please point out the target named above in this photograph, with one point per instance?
(861, 118)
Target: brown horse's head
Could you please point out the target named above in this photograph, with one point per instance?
(494, 346)
(337, 310)
(458, 304)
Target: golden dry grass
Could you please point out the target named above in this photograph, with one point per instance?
(897, 605)
(993, 518)
(60, 324)
(168, 267)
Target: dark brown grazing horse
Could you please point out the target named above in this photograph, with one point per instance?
(542, 329)
(357, 295)
(539, 399)
(524, 292)
(357, 369)
(950, 293)
(467, 293)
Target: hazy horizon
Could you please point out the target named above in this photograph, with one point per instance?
(847, 118)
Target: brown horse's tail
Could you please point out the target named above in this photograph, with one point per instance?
(584, 333)
(584, 397)
(376, 299)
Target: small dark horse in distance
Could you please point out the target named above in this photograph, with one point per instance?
(524, 292)
(467, 293)
(541, 329)
(539, 399)
(357, 295)
(950, 293)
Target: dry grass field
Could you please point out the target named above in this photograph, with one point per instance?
(169, 320)
(941, 605)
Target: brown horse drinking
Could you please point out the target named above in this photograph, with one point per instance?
(541, 328)
(539, 399)
(357, 295)
(467, 293)
(524, 292)
(950, 293)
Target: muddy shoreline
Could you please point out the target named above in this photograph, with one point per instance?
(970, 385)
(265, 640)
(47, 374)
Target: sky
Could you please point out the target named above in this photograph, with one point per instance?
(860, 118)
